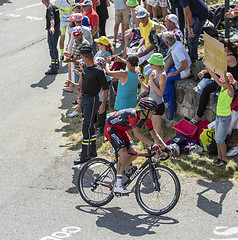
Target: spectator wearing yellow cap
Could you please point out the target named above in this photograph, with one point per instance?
(104, 47)
(155, 88)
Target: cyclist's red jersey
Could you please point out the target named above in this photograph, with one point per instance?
(127, 119)
(120, 122)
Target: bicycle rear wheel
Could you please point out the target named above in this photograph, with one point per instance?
(157, 202)
(95, 182)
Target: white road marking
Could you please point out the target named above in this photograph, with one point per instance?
(29, 6)
(34, 18)
(12, 15)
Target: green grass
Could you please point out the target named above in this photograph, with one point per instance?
(192, 165)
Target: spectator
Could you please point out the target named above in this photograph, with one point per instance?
(65, 7)
(133, 32)
(95, 3)
(223, 115)
(103, 16)
(93, 79)
(128, 82)
(152, 8)
(104, 47)
(93, 18)
(176, 8)
(68, 48)
(232, 67)
(145, 49)
(75, 55)
(170, 24)
(122, 15)
(156, 87)
(77, 19)
(178, 68)
(101, 118)
(77, 8)
(196, 14)
(53, 29)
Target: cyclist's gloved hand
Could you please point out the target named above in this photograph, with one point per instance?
(155, 147)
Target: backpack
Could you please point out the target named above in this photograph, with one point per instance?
(206, 138)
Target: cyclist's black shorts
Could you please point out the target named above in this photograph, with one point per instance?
(118, 139)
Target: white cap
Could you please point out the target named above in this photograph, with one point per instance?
(173, 18)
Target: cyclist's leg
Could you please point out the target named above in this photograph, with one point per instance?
(131, 149)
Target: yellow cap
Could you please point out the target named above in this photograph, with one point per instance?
(103, 40)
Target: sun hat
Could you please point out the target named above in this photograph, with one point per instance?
(87, 2)
(100, 60)
(77, 17)
(70, 18)
(156, 59)
(103, 40)
(77, 31)
(132, 3)
(141, 13)
(230, 77)
(173, 18)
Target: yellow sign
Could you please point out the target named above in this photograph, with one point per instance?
(215, 56)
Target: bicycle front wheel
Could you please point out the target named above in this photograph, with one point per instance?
(95, 182)
(161, 201)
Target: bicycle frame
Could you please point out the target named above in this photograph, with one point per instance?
(142, 167)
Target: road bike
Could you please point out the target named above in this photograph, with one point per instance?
(157, 188)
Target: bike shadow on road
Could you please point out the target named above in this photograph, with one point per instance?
(210, 206)
(4, 1)
(49, 79)
(118, 221)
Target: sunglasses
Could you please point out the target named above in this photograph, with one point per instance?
(78, 7)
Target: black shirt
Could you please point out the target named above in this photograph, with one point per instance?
(93, 79)
(52, 13)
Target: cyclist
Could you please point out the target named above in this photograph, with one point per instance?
(116, 129)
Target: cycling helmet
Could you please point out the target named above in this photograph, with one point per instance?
(147, 103)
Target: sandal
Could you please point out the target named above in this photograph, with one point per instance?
(221, 163)
(68, 90)
(216, 160)
(75, 102)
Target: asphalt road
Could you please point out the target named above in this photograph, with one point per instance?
(38, 194)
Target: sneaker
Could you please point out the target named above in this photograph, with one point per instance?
(51, 71)
(75, 113)
(121, 189)
(80, 161)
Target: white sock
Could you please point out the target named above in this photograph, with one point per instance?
(154, 19)
(119, 180)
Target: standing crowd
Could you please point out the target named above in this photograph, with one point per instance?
(153, 58)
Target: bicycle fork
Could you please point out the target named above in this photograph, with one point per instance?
(154, 176)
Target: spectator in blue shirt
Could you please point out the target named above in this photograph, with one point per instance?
(196, 14)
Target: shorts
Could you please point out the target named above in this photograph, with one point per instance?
(221, 128)
(163, 3)
(63, 27)
(160, 109)
(153, 3)
(118, 139)
(122, 16)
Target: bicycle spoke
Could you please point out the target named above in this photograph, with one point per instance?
(96, 181)
(158, 201)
